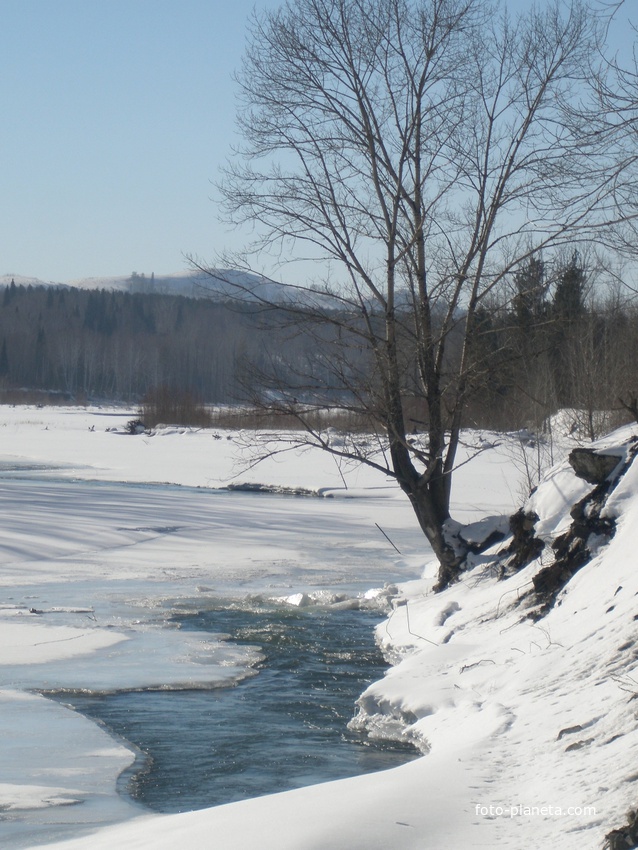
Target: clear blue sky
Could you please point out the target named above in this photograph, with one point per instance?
(116, 115)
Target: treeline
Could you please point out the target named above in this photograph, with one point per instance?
(547, 340)
(554, 340)
(115, 345)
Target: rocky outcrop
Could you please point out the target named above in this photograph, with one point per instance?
(590, 527)
(525, 546)
(626, 837)
(593, 466)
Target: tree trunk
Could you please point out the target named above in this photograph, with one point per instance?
(429, 497)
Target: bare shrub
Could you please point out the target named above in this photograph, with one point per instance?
(304, 418)
(172, 406)
(40, 397)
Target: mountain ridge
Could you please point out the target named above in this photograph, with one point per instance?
(218, 283)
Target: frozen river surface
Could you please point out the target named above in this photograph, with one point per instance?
(131, 576)
(219, 632)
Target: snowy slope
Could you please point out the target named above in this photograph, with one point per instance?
(21, 280)
(541, 712)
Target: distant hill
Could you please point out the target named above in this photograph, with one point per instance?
(22, 280)
(192, 284)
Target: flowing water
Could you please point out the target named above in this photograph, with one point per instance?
(284, 727)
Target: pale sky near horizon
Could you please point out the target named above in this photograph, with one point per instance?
(117, 115)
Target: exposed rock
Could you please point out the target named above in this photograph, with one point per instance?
(592, 466)
(624, 838)
(525, 546)
(569, 731)
(249, 487)
(481, 535)
(578, 745)
(572, 549)
(135, 426)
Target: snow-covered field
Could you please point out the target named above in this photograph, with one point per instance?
(528, 728)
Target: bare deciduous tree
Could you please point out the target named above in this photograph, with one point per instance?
(425, 148)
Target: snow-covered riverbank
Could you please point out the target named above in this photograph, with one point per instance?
(518, 719)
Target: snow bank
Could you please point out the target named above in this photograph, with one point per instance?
(545, 706)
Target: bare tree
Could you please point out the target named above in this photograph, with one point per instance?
(617, 92)
(425, 148)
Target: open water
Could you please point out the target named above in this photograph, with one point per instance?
(284, 727)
